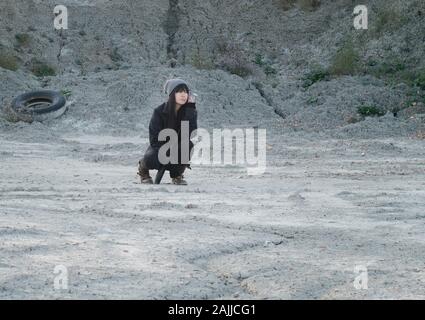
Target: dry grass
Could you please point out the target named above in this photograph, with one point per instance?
(345, 61)
(8, 61)
(308, 5)
(388, 18)
(286, 4)
(23, 39)
(233, 58)
(42, 69)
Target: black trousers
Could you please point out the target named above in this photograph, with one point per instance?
(152, 162)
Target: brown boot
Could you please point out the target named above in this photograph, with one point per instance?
(145, 178)
(179, 180)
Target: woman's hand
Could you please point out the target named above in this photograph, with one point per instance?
(192, 98)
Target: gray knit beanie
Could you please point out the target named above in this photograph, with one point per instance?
(171, 84)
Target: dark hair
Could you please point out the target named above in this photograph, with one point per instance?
(171, 105)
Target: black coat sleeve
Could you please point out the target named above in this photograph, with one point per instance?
(192, 116)
(155, 126)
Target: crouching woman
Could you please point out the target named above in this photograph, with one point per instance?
(169, 115)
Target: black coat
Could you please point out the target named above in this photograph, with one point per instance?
(187, 112)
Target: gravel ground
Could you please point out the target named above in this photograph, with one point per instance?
(296, 232)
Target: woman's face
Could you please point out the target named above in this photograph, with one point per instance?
(181, 97)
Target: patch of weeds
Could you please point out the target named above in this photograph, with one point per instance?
(200, 62)
(265, 64)
(305, 5)
(420, 79)
(392, 67)
(269, 70)
(66, 93)
(23, 39)
(238, 68)
(408, 77)
(396, 71)
(314, 76)
(259, 60)
(414, 97)
(370, 111)
(388, 19)
(8, 61)
(345, 61)
(312, 100)
(233, 59)
(388, 68)
(286, 4)
(308, 5)
(41, 69)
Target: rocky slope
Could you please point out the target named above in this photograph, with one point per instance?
(301, 64)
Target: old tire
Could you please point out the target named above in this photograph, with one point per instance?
(40, 105)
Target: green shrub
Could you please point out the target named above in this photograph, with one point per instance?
(66, 93)
(8, 61)
(259, 60)
(345, 61)
(312, 100)
(420, 79)
(269, 70)
(369, 111)
(41, 69)
(23, 39)
(266, 65)
(314, 76)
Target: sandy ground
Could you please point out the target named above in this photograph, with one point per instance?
(321, 209)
